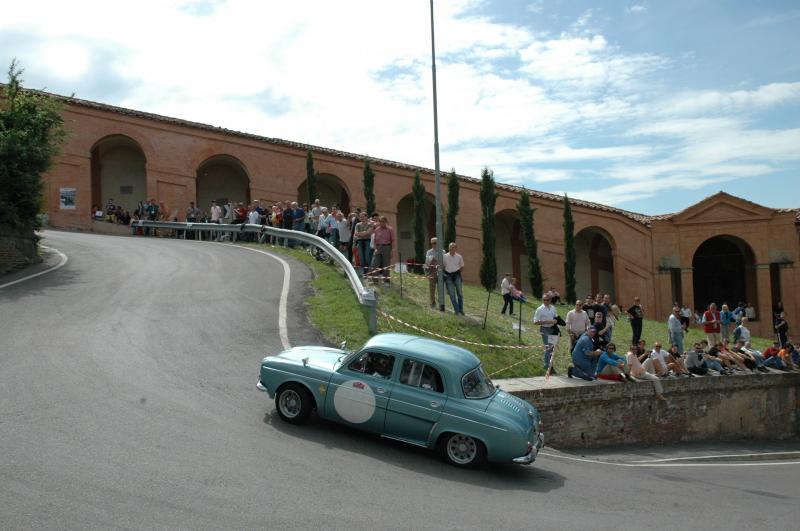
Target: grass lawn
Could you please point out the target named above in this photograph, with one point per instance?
(335, 311)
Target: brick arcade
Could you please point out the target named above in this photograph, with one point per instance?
(721, 248)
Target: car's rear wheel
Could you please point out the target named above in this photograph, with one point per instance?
(462, 450)
(294, 403)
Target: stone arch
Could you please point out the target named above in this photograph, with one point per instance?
(510, 249)
(118, 172)
(222, 178)
(405, 224)
(723, 270)
(331, 191)
(595, 268)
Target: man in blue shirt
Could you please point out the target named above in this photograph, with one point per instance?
(584, 357)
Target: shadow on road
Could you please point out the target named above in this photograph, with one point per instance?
(419, 460)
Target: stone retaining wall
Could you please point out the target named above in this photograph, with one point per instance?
(16, 252)
(757, 406)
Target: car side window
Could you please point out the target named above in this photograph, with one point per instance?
(418, 374)
(373, 364)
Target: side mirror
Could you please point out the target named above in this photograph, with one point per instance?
(343, 345)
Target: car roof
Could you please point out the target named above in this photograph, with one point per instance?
(450, 357)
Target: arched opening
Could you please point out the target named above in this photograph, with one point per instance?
(594, 263)
(724, 272)
(222, 178)
(118, 172)
(509, 248)
(405, 225)
(331, 191)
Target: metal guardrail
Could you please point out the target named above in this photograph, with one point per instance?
(366, 297)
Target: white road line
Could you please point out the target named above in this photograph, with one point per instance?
(696, 457)
(667, 465)
(284, 331)
(61, 263)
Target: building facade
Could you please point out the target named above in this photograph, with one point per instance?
(723, 248)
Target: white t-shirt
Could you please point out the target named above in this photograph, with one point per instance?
(660, 355)
(344, 231)
(504, 286)
(452, 263)
(634, 364)
(216, 213)
(253, 217)
(577, 322)
(543, 313)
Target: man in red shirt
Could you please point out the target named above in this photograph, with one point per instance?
(384, 238)
(711, 324)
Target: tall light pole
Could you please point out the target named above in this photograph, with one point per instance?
(437, 175)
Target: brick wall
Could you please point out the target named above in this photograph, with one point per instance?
(699, 409)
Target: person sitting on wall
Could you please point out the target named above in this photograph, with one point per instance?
(790, 357)
(695, 361)
(612, 366)
(772, 358)
(746, 349)
(585, 356)
(675, 362)
(638, 363)
(659, 359)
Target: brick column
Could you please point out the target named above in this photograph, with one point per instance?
(764, 302)
(687, 287)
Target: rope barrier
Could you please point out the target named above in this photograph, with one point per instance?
(464, 341)
(520, 362)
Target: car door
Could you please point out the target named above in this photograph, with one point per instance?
(359, 391)
(417, 401)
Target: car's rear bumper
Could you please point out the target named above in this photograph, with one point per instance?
(261, 387)
(530, 457)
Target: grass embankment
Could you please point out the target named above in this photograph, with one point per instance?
(335, 311)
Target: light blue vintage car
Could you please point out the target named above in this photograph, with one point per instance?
(409, 388)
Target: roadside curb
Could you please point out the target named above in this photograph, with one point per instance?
(684, 460)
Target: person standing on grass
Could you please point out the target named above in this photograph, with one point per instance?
(363, 234)
(453, 264)
(432, 270)
(384, 239)
(577, 323)
(711, 324)
(545, 317)
(675, 328)
(725, 320)
(636, 313)
(782, 328)
(505, 291)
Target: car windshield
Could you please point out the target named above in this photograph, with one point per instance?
(477, 384)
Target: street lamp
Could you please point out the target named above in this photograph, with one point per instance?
(437, 176)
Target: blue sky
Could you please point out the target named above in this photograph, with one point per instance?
(649, 106)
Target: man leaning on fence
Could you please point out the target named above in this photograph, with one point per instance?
(545, 317)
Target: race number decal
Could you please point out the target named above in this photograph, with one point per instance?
(354, 401)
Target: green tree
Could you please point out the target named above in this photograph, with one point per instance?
(531, 247)
(31, 130)
(311, 178)
(369, 187)
(452, 208)
(418, 194)
(488, 271)
(569, 252)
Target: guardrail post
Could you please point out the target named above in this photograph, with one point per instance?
(369, 299)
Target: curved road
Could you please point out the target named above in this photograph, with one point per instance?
(128, 400)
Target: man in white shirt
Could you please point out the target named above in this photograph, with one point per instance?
(750, 312)
(659, 359)
(216, 212)
(545, 317)
(641, 366)
(505, 291)
(453, 264)
(577, 323)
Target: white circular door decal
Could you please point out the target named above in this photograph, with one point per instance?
(354, 401)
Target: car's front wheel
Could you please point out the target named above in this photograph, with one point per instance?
(294, 403)
(462, 450)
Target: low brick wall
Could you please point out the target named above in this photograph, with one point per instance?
(584, 414)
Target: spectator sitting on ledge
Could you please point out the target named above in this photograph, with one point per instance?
(584, 357)
(772, 357)
(638, 363)
(611, 366)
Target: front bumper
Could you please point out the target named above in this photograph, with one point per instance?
(530, 457)
(261, 387)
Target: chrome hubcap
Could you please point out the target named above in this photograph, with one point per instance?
(290, 403)
(462, 449)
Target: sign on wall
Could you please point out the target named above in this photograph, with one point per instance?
(67, 198)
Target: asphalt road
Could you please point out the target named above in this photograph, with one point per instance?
(128, 400)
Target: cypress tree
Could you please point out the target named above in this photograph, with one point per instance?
(452, 209)
(531, 247)
(369, 187)
(488, 271)
(569, 252)
(311, 178)
(418, 194)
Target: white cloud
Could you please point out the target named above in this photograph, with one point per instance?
(637, 8)
(713, 101)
